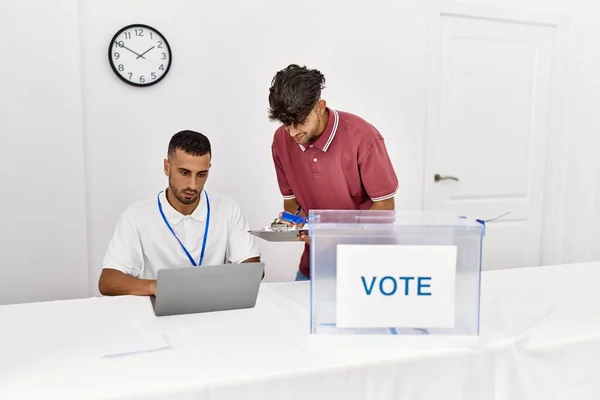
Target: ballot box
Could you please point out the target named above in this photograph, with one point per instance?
(395, 274)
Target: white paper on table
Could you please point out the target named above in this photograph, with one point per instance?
(141, 342)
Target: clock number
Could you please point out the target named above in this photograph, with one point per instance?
(159, 44)
(117, 55)
(121, 68)
(153, 75)
(127, 35)
(130, 75)
(161, 67)
(139, 32)
(142, 79)
(120, 44)
(151, 35)
(164, 56)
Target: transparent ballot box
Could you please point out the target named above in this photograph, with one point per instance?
(394, 274)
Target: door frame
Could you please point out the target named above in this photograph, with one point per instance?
(554, 213)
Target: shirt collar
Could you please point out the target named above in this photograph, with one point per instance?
(324, 141)
(176, 217)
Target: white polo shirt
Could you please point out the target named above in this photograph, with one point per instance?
(142, 242)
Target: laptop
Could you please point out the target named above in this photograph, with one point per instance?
(208, 288)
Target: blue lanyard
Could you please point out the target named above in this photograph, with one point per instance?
(205, 230)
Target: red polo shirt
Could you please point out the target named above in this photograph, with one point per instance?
(346, 168)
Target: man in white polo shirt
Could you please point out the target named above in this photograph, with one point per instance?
(182, 226)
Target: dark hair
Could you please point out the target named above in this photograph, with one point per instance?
(191, 142)
(294, 92)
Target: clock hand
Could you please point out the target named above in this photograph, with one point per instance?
(142, 55)
(122, 45)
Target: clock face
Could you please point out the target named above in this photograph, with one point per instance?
(139, 55)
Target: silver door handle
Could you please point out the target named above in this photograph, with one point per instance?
(438, 177)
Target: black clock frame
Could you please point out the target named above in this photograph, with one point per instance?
(112, 65)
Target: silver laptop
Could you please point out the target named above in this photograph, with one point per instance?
(207, 288)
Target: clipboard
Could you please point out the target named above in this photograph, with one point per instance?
(278, 236)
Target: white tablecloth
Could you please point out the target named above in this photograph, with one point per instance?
(540, 340)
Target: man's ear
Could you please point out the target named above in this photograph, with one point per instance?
(321, 105)
(167, 167)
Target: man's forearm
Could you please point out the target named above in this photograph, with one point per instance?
(388, 204)
(290, 205)
(116, 283)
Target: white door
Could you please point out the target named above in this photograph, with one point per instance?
(488, 121)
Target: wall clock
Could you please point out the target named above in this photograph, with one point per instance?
(139, 55)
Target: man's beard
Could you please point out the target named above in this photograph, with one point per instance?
(180, 197)
(311, 135)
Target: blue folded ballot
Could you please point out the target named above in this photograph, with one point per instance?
(293, 218)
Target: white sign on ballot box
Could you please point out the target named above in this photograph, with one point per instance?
(381, 286)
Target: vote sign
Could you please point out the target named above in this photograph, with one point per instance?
(384, 286)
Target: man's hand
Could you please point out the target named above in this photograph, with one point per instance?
(292, 206)
(303, 237)
(151, 287)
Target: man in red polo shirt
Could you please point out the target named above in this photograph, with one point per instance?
(324, 158)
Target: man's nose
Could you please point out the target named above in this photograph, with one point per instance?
(293, 131)
(193, 184)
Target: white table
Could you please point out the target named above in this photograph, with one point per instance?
(540, 340)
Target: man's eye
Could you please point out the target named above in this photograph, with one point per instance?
(184, 173)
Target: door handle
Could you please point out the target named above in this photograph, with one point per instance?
(438, 177)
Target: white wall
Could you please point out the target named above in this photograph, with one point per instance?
(582, 124)
(224, 56)
(43, 253)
